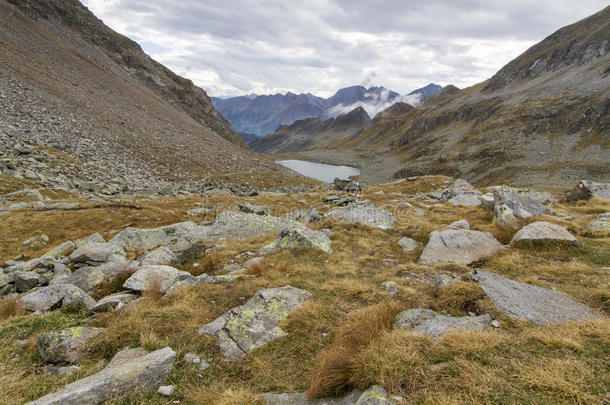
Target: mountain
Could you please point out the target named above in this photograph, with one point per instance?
(427, 91)
(262, 115)
(311, 132)
(246, 137)
(71, 84)
(543, 119)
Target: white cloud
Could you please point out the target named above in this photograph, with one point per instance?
(319, 46)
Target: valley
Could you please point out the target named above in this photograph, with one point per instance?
(441, 246)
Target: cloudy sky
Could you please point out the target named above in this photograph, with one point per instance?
(235, 47)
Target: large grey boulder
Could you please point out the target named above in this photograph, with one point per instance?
(300, 237)
(521, 205)
(26, 280)
(60, 250)
(67, 345)
(96, 252)
(162, 255)
(93, 238)
(255, 323)
(461, 246)
(365, 213)
(54, 297)
(140, 375)
(307, 216)
(408, 244)
(531, 303)
(177, 237)
(428, 322)
(61, 274)
(375, 395)
(248, 208)
(88, 278)
(544, 232)
(461, 193)
(142, 279)
(234, 224)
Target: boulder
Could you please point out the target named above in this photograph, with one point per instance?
(205, 279)
(60, 250)
(140, 375)
(255, 323)
(340, 201)
(93, 238)
(114, 301)
(26, 280)
(55, 296)
(375, 395)
(96, 252)
(199, 212)
(602, 222)
(531, 303)
(428, 322)
(544, 232)
(408, 244)
(365, 213)
(347, 185)
(504, 217)
(61, 274)
(307, 216)
(141, 280)
(522, 205)
(300, 238)
(458, 246)
(458, 188)
(461, 224)
(67, 345)
(391, 287)
(233, 224)
(488, 201)
(177, 237)
(248, 208)
(89, 278)
(162, 255)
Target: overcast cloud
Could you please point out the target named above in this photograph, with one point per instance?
(235, 47)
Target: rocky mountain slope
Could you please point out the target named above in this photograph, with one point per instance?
(85, 95)
(311, 132)
(262, 115)
(542, 119)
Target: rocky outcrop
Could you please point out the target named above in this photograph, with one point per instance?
(461, 246)
(248, 208)
(543, 232)
(122, 377)
(151, 276)
(67, 345)
(91, 277)
(254, 324)
(55, 296)
(531, 303)
(364, 213)
(300, 238)
(428, 322)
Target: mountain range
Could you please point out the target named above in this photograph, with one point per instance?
(263, 114)
(542, 119)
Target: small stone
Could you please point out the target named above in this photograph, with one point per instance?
(166, 390)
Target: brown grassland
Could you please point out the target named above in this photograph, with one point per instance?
(341, 338)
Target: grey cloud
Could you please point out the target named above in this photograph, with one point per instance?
(318, 46)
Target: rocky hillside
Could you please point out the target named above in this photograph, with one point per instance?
(78, 92)
(542, 119)
(310, 133)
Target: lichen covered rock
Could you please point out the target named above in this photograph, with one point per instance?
(255, 323)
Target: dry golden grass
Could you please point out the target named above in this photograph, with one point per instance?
(256, 269)
(10, 307)
(112, 285)
(459, 297)
(332, 374)
(154, 288)
(504, 366)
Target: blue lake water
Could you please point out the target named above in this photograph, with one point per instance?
(320, 171)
